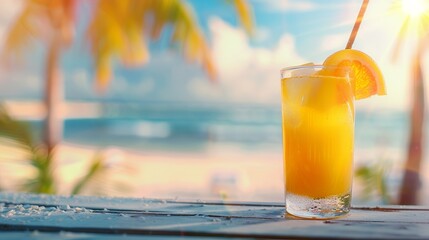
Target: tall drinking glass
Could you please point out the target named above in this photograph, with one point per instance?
(318, 139)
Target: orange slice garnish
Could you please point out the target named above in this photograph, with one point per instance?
(366, 75)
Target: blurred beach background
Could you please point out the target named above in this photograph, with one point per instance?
(166, 130)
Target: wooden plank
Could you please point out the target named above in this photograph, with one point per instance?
(374, 223)
(81, 220)
(333, 230)
(154, 206)
(36, 235)
(140, 203)
(112, 202)
(117, 216)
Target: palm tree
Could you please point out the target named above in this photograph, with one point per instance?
(411, 178)
(52, 22)
(411, 183)
(118, 28)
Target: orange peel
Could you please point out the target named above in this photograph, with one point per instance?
(367, 79)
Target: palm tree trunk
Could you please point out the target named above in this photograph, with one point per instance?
(411, 179)
(53, 95)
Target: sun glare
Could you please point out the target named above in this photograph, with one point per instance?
(414, 8)
(414, 15)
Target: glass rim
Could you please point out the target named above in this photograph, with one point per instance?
(305, 66)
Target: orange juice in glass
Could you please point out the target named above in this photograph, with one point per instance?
(318, 139)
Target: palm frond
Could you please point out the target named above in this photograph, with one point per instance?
(96, 168)
(37, 21)
(21, 34)
(18, 134)
(44, 181)
(244, 13)
(113, 33)
(17, 131)
(374, 182)
(188, 35)
(118, 29)
(60, 18)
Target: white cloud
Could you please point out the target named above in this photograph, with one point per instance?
(334, 42)
(83, 85)
(80, 84)
(81, 78)
(118, 85)
(144, 86)
(289, 5)
(20, 84)
(246, 74)
(124, 88)
(32, 82)
(262, 34)
(202, 89)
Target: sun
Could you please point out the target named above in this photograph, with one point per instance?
(414, 8)
(414, 15)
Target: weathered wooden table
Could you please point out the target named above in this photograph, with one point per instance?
(28, 216)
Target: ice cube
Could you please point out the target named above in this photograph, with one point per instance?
(329, 92)
(304, 70)
(297, 89)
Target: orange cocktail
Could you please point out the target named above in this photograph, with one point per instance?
(318, 131)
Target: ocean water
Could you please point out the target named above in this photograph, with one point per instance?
(179, 128)
(190, 128)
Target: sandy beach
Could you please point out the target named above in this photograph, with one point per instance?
(218, 174)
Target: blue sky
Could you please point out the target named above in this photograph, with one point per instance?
(288, 32)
